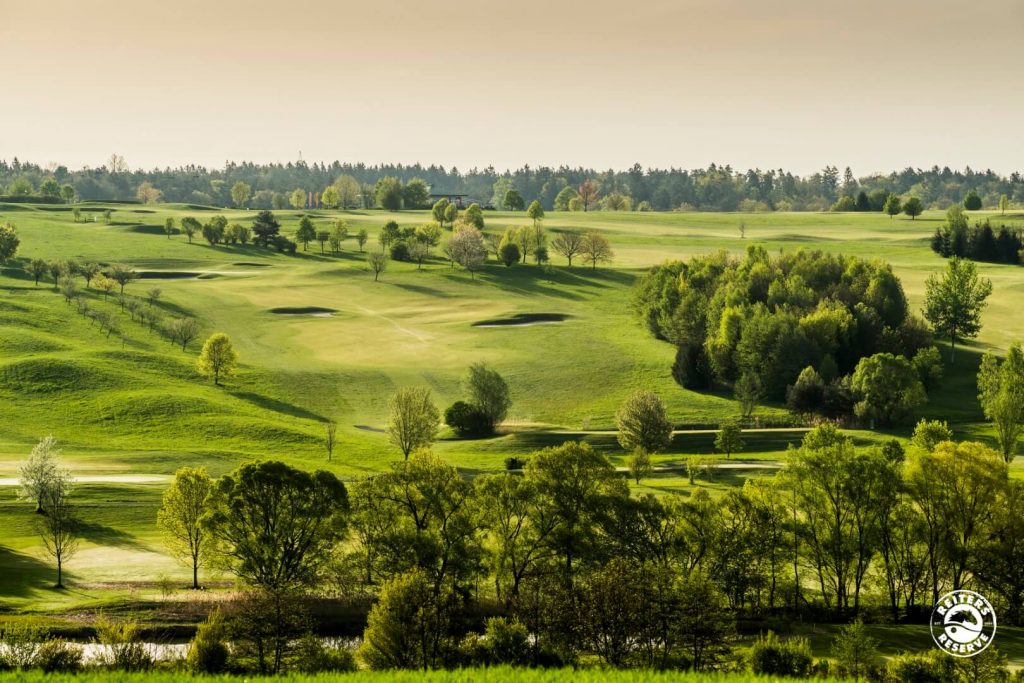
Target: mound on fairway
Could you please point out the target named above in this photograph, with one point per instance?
(520, 319)
(303, 310)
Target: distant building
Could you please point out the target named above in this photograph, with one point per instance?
(457, 199)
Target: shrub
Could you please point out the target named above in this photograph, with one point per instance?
(18, 646)
(400, 251)
(208, 653)
(919, 667)
(466, 420)
(775, 657)
(312, 656)
(928, 364)
(509, 253)
(514, 463)
(122, 649)
(58, 656)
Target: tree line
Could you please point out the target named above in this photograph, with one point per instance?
(562, 563)
(978, 242)
(714, 188)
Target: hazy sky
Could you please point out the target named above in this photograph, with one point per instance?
(798, 84)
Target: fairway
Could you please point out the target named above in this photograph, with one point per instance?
(319, 340)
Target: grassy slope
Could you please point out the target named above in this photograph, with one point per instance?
(133, 404)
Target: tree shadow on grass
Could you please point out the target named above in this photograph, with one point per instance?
(102, 534)
(422, 289)
(277, 406)
(21, 574)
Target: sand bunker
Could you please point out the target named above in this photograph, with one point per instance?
(317, 311)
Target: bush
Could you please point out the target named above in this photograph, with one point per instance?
(400, 252)
(18, 646)
(122, 649)
(504, 643)
(208, 653)
(514, 463)
(509, 253)
(919, 667)
(466, 420)
(928, 364)
(58, 656)
(774, 657)
(313, 656)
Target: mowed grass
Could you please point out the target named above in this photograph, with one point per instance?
(133, 404)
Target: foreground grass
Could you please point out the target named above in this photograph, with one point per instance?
(493, 675)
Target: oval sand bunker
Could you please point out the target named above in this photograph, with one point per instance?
(318, 311)
(523, 319)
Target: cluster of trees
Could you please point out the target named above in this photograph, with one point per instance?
(572, 565)
(768, 325)
(880, 200)
(980, 242)
(715, 188)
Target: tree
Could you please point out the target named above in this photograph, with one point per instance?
(930, 433)
(89, 271)
(536, 212)
(639, 464)
(67, 193)
(339, 233)
(415, 194)
(419, 251)
(451, 212)
(704, 624)
(489, 394)
(348, 191)
(474, 215)
(240, 193)
(183, 330)
(409, 626)
(1001, 393)
(913, 207)
(361, 238)
(508, 252)
(594, 247)
(41, 471)
(855, 651)
(467, 248)
(972, 202)
(184, 504)
(748, 392)
(322, 237)
(330, 437)
(954, 301)
(306, 232)
(729, 439)
(414, 419)
(276, 525)
(1004, 203)
(265, 226)
(388, 193)
(330, 198)
(147, 194)
(513, 201)
(439, 208)
(8, 242)
(218, 357)
(58, 526)
(893, 206)
(169, 226)
(587, 194)
(378, 262)
(37, 268)
(564, 196)
(888, 388)
(122, 275)
(190, 226)
(389, 234)
(297, 199)
(643, 423)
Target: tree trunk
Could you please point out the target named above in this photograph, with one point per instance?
(195, 575)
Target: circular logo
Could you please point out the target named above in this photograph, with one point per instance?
(963, 623)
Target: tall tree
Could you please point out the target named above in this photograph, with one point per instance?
(568, 244)
(1001, 392)
(297, 198)
(414, 419)
(587, 194)
(488, 393)
(643, 423)
(913, 207)
(184, 504)
(41, 471)
(954, 301)
(218, 357)
(58, 526)
(729, 438)
(265, 226)
(240, 193)
(892, 206)
(594, 247)
(388, 193)
(306, 233)
(535, 212)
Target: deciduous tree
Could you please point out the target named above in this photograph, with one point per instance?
(218, 357)
(179, 517)
(954, 301)
(643, 423)
(414, 419)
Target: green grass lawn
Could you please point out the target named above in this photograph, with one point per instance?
(132, 404)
